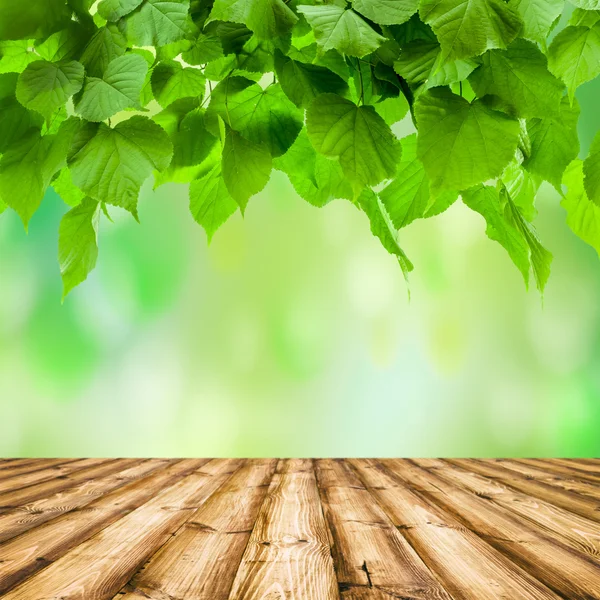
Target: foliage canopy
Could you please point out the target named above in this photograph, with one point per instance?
(96, 97)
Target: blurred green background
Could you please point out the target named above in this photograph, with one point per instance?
(292, 334)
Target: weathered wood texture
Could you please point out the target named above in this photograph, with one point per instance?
(299, 529)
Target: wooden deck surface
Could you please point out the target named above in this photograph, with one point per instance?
(267, 529)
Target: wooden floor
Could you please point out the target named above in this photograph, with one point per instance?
(223, 529)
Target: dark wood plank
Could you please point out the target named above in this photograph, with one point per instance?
(26, 554)
(288, 554)
(98, 568)
(200, 561)
(18, 520)
(372, 560)
(468, 567)
(581, 505)
(569, 573)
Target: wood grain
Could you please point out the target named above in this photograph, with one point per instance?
(469, 567)
(288, 553)
(568, 572)
(186, 567)
(368, 551)
(299, 529)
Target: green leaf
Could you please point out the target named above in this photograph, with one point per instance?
(539, 258)
(65, 44)
(110, 164)
(78, 243)
(210, 202)
(15, 120)
(192, 141)
(386, 12)
(119, 88)
(522, 187)
(170, 82)
(45, 86)
(554, 143)
(27, 169)
(462, 144)
(519, 76)
(467, 28)
(113, 10)
(486, 201)
(106, 45)
(246, 167)
(15, 56)
(268, 19)
(159, 22)
(538, 17)
(367, 149)
(407, 197)
(574, 56)
(63, 185)
(421, 62)
(29, 20)
(206, 48)
(587, 4)
(342, 30)
(586, 18)
(392, 110)
(316, 179)
(382, 228)
(303, 82)
(263, 116)
(583, 216)
(591, 171)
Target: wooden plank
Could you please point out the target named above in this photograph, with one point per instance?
(200, 561)
(578, 532)
(26, 554)
(19, 465)
(288, 554)
(18, 520)
(576, 503)
(98, 568)
(567, 468)
(592, 467)
(569, 573)
(372, 560)
(544, 474)
(94, 468)
(46, 470)
(468, 567)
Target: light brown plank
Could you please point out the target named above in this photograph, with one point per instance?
(18, 520)
(98, 568)
(582, 505)
(570, 574)
(91, 469)
(546, 473)
(28, 553)
(18, 466)
(568, 468)
(288, 554)
(578, 532)
(48, 470)
(468, 567)
(200, 561)
(372, 559)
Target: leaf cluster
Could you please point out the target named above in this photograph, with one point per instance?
(97, 97)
